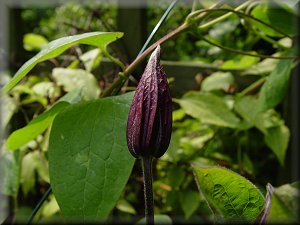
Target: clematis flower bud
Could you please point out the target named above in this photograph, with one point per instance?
(149, 124)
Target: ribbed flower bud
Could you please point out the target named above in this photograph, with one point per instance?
(149, 124)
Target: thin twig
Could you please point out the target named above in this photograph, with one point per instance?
(209, 24)
(160, 22)
(252, 87)
(124, 75)
(38, 206)
(247, 53)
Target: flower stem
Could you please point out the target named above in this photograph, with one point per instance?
(148, 190)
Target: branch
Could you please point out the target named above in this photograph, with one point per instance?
(247, 53)
(125, 74)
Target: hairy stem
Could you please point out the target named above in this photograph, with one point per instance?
(148, 190)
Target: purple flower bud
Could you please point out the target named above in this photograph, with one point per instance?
(149, 124)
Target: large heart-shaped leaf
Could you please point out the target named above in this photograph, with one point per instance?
(230, 195)
(55, 48)
(89, 162)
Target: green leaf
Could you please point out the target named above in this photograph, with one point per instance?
(229, 195)
(91, 59)
(125, 206)
(89, 162)
(275, 87)
(176, 176)
(50, 208)
(246, 107)
(275, 16)
(7, 108)
(71, 79)
(4, 207)
(32, 42)
(9, 172)
(32, 163)
(38, 125)
(240, 62)
(28, 173)
(47, 89)
(55, 48)
(190, 201)
(158, 219)
(276, 134)
(217, 81)
(277, 139)
(73, 96)
(178, 115)
(208, 108)
(285, 205)
(289, 5)
(174, 152)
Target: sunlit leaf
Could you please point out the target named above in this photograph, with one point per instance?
(7, 108)
(217, 81)
(28, 173)
(71, 79)
(55, 48)
(91, 59)
(33, 42)
(209, 109)
(9, 172)
(39, 124)
(240, 62)
(158, 219)
(230, 195)
(50, 207)
(126, 207)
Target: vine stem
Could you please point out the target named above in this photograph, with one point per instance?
(252, 87)
(38, 206)
(185, 26)
(148, 189)
(123, 76)
(247, 53)
(160, 22)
